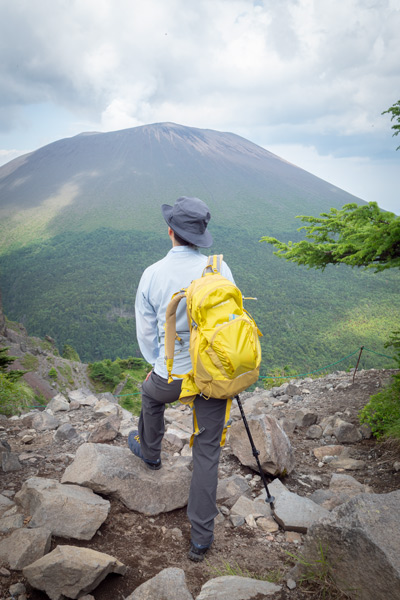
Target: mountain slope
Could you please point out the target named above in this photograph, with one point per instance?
(80, 219)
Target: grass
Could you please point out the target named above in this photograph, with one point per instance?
(226, 569)
(30, 362)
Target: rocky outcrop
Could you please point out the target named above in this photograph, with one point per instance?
(361, 539)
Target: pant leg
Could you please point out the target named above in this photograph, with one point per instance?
(156, 393)
(202, 506)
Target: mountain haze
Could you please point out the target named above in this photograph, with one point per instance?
(80, 219)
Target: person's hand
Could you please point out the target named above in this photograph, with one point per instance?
(148, 374)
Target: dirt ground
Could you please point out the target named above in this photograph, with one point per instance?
(148, 545)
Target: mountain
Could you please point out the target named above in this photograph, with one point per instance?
(80, 220)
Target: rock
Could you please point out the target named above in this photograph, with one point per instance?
(105, 431)
(169, 584)
(276, 453)
(268, 524)
(44, 421)
(238, 588)
(68, 511)
(24, 546)
(66, 433)
(231, 488)
(115, 471)
(245, 506)
(18, 589)
(237, 520)
(348, 464)
(305, 419)
(10, 522)
(341, 489)
(58, 403)
(106, 408)
(314, 432)
(293, 512)
(362, 540)
(293, 390)
(10, 462)
(69, 571)
(346, 432)
(5, 504)
(322, 451)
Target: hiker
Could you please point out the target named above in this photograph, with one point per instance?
(187, 222)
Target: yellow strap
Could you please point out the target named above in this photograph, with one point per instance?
(197, 431)
(227, 424)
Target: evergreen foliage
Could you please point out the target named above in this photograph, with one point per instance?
(359, 236)
(70, 353)
(395, 112)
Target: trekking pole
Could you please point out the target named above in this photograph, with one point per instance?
(270, 499)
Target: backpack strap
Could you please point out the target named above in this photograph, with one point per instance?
(170, 331)
(213, 264)
(198, 431)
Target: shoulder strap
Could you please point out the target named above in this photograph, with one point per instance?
(214, 264)
(170, 331)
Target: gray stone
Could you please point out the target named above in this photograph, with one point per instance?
(237, 520)
(44, 421)
(362, 540)
(5, 504)
(10, 462)
(293, 512)
(58, 403)
(10, 522)
(305, 419)
(314, 432)
(17, 589)
(169, 584)
(238, 588)
(245, 506)
(105, 431)
(292, 390)
(66, 432)
(346, 432)
(276, 453)
(105, 408)
(24, 546)
(70, 571)
(115, 471)
(68, 511)
(231, 488)
(322, 451)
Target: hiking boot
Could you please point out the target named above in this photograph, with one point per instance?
(134, 446)
(197, 552)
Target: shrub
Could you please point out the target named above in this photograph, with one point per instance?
(53, 373)
(15, 396)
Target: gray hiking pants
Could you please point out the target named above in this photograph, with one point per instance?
(202, 508)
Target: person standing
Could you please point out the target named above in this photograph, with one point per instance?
(187, 222)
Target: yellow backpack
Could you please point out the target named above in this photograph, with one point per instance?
(224, 345)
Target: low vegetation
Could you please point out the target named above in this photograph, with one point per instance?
(15, 395)
(124, 374)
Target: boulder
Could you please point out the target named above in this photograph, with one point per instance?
(362, 541)
(169, 584)
(24, 546)
(68, 511)
(231, 488)
(69, 572)
(238, 588)
(276, 453)
(44, 421)
(293, 512)
(58, 403)
(115, 471)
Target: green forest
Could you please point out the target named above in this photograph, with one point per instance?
(79, 288)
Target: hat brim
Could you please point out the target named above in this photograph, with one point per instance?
(202, 240)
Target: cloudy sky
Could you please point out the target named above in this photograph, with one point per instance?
(306, 79)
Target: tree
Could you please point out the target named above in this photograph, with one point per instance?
(395, 110)
(359, 236)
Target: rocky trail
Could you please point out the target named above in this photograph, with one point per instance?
(323, 457)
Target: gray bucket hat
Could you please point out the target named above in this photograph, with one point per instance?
(189, 218)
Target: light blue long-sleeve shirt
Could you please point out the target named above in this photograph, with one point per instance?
(158, 283)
